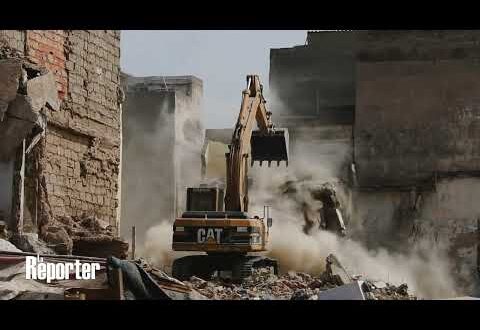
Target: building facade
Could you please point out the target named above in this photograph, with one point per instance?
(409, 100)
(74, 169)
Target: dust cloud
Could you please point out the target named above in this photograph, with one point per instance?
(425, 269)
(161, 158)
(145, 195)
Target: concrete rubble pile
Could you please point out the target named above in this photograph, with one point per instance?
(77, 235)
(142, 281)
(93, 237)
(263, 285)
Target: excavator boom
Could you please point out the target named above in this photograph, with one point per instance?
(228, 236)
(266, 144)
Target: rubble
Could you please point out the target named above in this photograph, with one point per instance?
(58, 238)
(78, 235)
(29, 242)
(93, 237)
(386, 291)
(263, 285)
(318, 202)
(7, 246)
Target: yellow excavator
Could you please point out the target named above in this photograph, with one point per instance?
(221, 226)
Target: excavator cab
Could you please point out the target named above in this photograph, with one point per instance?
(270, 147)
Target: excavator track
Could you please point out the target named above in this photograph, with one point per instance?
(204, 266)
(246, 265)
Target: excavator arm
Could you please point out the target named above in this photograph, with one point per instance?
(267, 144)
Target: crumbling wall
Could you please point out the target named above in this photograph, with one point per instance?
(446, 219)
(415, 146)
(81, 160)
(10, 41)
(416, 143)
(74, 169)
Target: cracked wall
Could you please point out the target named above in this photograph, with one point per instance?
(74, 170)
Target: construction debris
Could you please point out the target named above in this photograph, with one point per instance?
(263, 285)
(127, 280)
(93, 237)
(29, 242)
(7, 246)
(116, 280)
(318, 202)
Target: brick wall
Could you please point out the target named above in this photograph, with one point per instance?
(47, 48)
(75, 169)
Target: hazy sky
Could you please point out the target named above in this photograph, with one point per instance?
(222, 59)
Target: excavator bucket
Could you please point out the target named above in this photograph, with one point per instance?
(271, 147)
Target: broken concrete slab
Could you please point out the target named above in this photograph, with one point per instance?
(43, 91)
(352, 291)
(14, 285)
(24, 92)
(7, 246)
(29, 242)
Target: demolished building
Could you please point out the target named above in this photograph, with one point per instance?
(60, 104)
(404, 104)
(163, 138)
